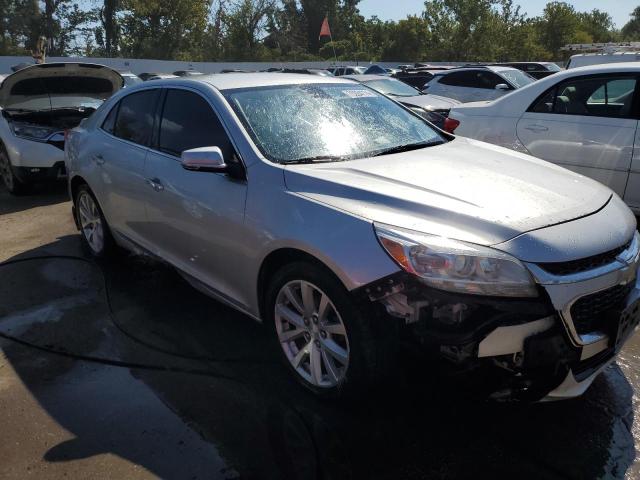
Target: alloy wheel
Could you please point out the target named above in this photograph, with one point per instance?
(312, 334)
(91, 222)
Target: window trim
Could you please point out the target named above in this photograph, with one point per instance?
(116, 107)
(635, 101)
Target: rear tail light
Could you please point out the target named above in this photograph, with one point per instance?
(66, 134)
(450, 124)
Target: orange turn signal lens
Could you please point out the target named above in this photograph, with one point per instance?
(396, 250)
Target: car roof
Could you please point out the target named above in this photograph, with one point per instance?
(606, 68)
(493, 68)
(228, 81)
(370, 76)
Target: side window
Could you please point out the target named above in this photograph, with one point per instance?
(591, 96)
(545, 103)
(135, 117)
(110, 122)
(457, 79)
(188, 121)
(488, 80)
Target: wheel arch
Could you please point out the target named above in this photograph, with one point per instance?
(280, 257)
(75, 184)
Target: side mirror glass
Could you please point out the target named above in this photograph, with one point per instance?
(502, 86)
(203, 159)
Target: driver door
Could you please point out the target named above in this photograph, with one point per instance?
(196, 218)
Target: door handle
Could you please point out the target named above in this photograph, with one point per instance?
(99, 159)
(156, 184)
(536, 128)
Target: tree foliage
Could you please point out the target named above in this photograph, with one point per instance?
(446, 30)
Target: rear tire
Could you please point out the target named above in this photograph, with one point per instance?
(323, 338)
(94, 230)
(11, 182)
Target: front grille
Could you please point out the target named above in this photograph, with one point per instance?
(583, 264)
(589, 312)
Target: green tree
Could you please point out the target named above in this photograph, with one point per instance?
(598, 25)
(20, 23)
(245, 25)
(109, 23)
(407, 40)
(164, 30)
(631, 30)
(558, 26)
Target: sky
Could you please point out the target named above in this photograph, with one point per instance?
(398, 9)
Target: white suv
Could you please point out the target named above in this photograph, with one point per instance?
(37, 105)
(472, 84)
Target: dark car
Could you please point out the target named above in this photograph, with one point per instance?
(537, 70)
(417, 77)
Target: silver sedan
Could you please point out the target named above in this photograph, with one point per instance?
(353, 228)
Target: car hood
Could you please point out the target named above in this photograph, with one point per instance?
(430, 102)
(59, 85)
(464, 189)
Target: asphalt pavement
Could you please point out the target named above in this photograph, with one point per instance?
(120, 369)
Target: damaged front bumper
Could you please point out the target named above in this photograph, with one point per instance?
(542, 349)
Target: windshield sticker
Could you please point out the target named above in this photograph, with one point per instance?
(359, 93)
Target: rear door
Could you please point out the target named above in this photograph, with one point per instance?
(586, 124)
(197, 217)
(119, 155)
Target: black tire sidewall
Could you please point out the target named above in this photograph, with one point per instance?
(19, 187)
(362, 345)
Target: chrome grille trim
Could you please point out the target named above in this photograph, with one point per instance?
(565, 290)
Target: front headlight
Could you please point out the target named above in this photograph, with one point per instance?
(34, 132)
(457, 266)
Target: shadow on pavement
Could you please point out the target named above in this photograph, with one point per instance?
(245, 418)
(41, 196)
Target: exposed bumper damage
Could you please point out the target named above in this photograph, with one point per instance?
(547, 348)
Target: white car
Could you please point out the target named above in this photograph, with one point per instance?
(587, 59)
(584, 119)
(38, 104)
(472, 84)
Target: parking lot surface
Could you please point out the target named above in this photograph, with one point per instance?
(121, 370)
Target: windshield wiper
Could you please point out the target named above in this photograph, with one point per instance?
(408, 147)
(316, 159)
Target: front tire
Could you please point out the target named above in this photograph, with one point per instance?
(94, 229)
(323, 338)
(11, 182)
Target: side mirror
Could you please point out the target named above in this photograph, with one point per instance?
(203, 159)
(502, 86)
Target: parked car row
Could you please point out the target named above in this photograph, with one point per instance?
(432, 107)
